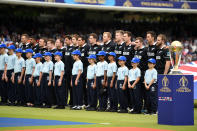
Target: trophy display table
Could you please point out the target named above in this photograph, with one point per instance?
(175, 100)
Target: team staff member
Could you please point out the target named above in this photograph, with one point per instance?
(24, 44)
(151, 47)
(3, 70)
(68, 61)
(28, 79)
(10, 71)
(84, 48)
(17, 77)
(37, 80)
(108, 45)
(46, 81)
(128, 50)
(94, 48)
(162, 55)
(141, 53)
(59, 81)
(119, 43)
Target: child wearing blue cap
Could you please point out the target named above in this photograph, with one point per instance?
(150, 82)
(58, 82)
(134, 87)
(8, 75)
(110, 84)
(91, 84)
(3, 70)
(28, 79)
(37, 80)
(76, 81)
(46, 82)
(101, 78)
(17, 77)
(121, 85)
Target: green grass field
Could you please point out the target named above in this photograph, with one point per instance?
(102, 119)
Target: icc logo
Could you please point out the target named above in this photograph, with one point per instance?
(165, 83)
(185, 5)
(183, 82)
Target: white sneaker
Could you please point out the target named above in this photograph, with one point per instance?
(74, 107)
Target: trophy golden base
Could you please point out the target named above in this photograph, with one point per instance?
(175, 72)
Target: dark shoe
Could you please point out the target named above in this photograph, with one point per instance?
(91, 109)
(113, 110)
(122, 111)
(101, 110)
(135, 112)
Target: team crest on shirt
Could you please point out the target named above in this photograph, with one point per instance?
(152, 49)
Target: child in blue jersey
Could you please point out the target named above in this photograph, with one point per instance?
(37, 80)
(150, 82)
(59, 81)
(101, 78)
(3, 71)
(91, 83)
(111, 80)
(10, 70)
(17, 77)
(76, 81)
(46, 82)
(28, 80)
(122, 77)
(134, 87)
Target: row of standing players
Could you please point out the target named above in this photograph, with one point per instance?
(129, 51)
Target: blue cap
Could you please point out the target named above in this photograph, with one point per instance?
(47, 54)
(19, 50)
(152, 60)
(76, 52)
(29, 51)
(3, 46)
(91, 57)
(102, 53)
(11, 47)
(112, 54)
(58, 53)
(123, 58)
(37, 55)
(135, 60)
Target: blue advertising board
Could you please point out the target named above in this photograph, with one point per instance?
(130, 3)
(175, 100)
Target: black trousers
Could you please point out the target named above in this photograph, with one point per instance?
(91, 93)
(77, 91)
(3, 89)
(101, 93)
(20, 89)
(29, 90)
(37, 90)
(152, 99)
(112, 94)
(46, 90)
(84, 81)
(59, 92)
(122, 95)
(136, 97)
(10, 87)
(68, 89)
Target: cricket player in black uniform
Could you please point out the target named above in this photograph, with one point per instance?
(24, 44)
(84, 48)
(51, 48)
(34, 44)
(119, 43)
(74, 41)
(151, 47)
(108, 45)
(94, 48)
(42, 45)
(68, 61)
(141, 53)
(128, 50)
(162, 56)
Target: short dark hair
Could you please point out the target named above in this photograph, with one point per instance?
(94, 35)
(26, 35)
(140, 39)
(128, 33)
(152, 33)
(75, 35)
(61, 40)
(68, 37)
(82, 37)
(52, 41)
(44, 38)
(120, 31)
(163, 37)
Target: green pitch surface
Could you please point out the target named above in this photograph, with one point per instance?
(102, 119)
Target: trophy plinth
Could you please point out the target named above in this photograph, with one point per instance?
(175, 56)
